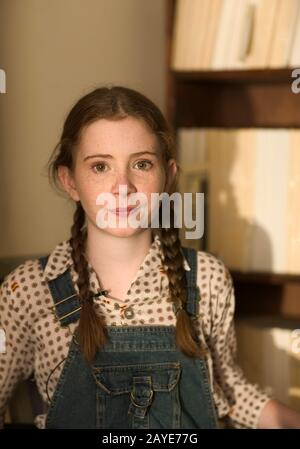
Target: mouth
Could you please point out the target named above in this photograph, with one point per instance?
(123, 210)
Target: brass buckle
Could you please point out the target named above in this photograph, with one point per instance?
(68, 314)
(61, 301)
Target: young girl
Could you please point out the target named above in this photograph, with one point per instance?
(123, 327)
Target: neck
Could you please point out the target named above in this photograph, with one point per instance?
(107, 252)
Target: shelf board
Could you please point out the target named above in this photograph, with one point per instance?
(236, 105)
(264, 278)
(237, 76)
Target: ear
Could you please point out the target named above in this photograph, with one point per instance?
(67, 180)
(171, 173)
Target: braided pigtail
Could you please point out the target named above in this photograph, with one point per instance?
(174, 264)
(91, 328)
(115, 103)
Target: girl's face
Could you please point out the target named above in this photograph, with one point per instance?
(114, 153)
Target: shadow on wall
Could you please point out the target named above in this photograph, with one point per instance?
(234, 236)
(269, 354)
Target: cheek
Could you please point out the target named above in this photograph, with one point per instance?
(154, 183)
(90, 187)
(88, 192)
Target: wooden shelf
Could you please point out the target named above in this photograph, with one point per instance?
(237, 76)
(206, 103)
(259, 296)
(229, 98)
(239, 99)
(264, 278)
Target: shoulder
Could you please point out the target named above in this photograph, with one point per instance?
(217, 301)
(29, 269)
(19, 284)
(216, 289)
(28, 280)
(211, 269)
(215, 286)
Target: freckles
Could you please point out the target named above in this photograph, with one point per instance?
(93, 183)
(90, 191)
(149, 185)
(154, 184)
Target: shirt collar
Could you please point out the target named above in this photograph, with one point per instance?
(60, 260)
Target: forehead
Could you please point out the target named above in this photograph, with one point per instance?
(128, 134)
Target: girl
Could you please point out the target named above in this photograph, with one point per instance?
(122, 326)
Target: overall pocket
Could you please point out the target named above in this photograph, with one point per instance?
(139, 396)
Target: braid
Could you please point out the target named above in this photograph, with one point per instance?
(174, 263)
(91, 328)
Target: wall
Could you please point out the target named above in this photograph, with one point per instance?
(53, 52)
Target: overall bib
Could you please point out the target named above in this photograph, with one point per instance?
(139, 380)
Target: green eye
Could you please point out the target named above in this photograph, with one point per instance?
(144, 164)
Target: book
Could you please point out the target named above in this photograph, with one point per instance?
(262, 19)
(285, 25)
(235, 34)
(181, 18)
(223, 35)
(242, 27)
(213, 19)
(294, 58)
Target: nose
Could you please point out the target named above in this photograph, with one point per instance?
(122, 179)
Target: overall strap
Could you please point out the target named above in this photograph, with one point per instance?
(193, 291)
(67, 304)
(66, 301)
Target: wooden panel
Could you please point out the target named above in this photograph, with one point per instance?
(239, 98)
(238, 76)
(267, 295)
(229, 104)
(258, 299)
(265, 278)
(290, 305)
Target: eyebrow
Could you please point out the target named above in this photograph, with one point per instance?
(109, 156)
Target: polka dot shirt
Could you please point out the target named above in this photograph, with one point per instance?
(37, 343)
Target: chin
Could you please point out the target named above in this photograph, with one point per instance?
(123, 232)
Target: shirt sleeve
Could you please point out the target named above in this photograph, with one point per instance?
(246, 400)
(16, 354)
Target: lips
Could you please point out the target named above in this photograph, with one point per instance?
(122, 210)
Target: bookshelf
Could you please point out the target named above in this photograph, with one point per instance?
(235, 99)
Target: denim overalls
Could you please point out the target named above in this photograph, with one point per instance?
(139, 380)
